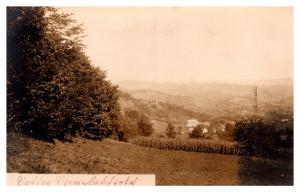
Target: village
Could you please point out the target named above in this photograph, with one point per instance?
(218, 129)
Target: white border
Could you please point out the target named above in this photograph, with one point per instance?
(139, 3)
(218, 3)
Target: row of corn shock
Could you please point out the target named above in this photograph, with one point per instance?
(192, 145)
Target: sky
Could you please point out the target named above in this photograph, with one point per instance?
(188, 44)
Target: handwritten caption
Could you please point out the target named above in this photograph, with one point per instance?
(16, 179)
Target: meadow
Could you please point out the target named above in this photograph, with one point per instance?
(27, 155)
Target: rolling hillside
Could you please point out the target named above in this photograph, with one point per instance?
(216, 99)
(159, 110)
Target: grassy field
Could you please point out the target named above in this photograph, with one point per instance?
(27, 155)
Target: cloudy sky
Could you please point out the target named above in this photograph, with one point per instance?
(189, 44)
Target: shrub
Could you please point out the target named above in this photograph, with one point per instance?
(170, 131)
(132, 124)
(224, 135)
(144, 126)
(197, 132)
(257, 136)
(128, 129)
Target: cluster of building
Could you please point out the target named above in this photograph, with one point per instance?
(206, 127)
(193, 123)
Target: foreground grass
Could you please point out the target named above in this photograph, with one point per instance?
(26, 155)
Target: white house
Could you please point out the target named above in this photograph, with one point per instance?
(192, 123)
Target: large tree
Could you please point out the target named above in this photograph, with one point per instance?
(53, 91)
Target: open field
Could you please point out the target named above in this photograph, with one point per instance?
(27, 155)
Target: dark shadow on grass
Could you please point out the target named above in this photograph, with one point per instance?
(261, 171)
(18, 145)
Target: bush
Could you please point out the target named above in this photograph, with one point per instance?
(128, 129)
(224, 135)
(197, 132)
(132, 124)
(144, 126)
(170, 131)
(259, 137)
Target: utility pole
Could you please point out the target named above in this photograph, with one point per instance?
(255, 97)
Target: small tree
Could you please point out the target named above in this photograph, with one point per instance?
(128, 129)
(170, 131)
(197, 132)
(180, 130)
(144, 126)
(229, 132)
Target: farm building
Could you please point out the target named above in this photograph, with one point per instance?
(192, 123)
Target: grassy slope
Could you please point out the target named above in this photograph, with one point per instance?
(170, 167)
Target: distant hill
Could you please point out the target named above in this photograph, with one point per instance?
(217, 99)
(159, 110)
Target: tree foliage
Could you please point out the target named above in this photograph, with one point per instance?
(258, 136)
(53, 91)
(134, 123)
(128, 125)
(197, 132)
(170, 131)
(144, 126)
